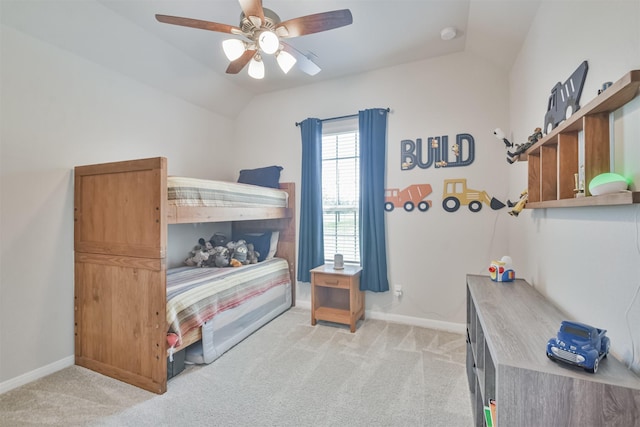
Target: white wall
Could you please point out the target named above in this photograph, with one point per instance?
(429, 253)
(59, 111)
(586, 260)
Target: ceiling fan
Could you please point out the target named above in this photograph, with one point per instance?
(264, 34)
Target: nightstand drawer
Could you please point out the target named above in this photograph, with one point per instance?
(331, 281)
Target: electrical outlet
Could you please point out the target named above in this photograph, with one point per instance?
(397, 290)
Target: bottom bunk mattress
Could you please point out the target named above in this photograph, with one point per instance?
(228, 303)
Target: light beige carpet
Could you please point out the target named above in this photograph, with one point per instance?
(288, 373)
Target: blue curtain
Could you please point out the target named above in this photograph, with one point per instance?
(310, 239)
(373, 247)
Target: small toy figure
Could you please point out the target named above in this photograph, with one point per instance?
(501, 271)
(407, 165)
(605, 86)
(519, 205)
(520, 148)
(456, 149)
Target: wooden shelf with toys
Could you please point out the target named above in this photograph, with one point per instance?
(554, 159)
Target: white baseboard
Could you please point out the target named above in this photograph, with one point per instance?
(36, 374)
(458, 328)
(304, 304)
(439, 325)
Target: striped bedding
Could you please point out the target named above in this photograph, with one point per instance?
(202, 192)
(195, 295)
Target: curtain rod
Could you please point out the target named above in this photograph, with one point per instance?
(339, 117)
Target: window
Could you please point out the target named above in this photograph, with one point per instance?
(341, 190)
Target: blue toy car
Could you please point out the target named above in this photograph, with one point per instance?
(580, 345)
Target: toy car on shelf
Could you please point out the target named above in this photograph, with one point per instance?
(580, 345)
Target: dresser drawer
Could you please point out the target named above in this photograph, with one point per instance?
(331, 281)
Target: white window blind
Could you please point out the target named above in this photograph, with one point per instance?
(341, 193)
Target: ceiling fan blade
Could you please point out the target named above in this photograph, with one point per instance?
(253, 8)
(236, 66)
(315, 23)
(304, 63)
(197, 23)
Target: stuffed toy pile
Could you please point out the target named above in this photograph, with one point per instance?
(219, 252)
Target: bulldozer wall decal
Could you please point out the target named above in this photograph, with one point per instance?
(436, 150)
(457, 193)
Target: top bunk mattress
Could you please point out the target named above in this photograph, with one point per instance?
(206, 193)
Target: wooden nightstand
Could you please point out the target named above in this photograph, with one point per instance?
(336, 295)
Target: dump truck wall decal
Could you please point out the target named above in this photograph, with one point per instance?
(565, 98)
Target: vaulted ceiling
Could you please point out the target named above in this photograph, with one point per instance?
(123, 35)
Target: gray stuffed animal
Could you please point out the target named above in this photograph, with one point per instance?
(239, 250)
(252, 254)
(208, 247)
(198, 258)
(219, 239)
(221, 257)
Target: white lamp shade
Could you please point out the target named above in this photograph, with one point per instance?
(268, 42)
(256, 68)
(233, 49)
(285, 61)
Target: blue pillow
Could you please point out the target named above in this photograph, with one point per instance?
(265, 177)
(261, 242)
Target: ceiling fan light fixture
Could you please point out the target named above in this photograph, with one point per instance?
(256, 67)
(285, 61)
(233, 48)
(261, 30)
(268, 42)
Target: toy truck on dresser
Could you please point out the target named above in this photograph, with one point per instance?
(580, 345)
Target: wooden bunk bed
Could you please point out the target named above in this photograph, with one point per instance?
(121, 216)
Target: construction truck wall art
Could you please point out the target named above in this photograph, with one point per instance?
(409, 198)
(456, 194)
(565, 98)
